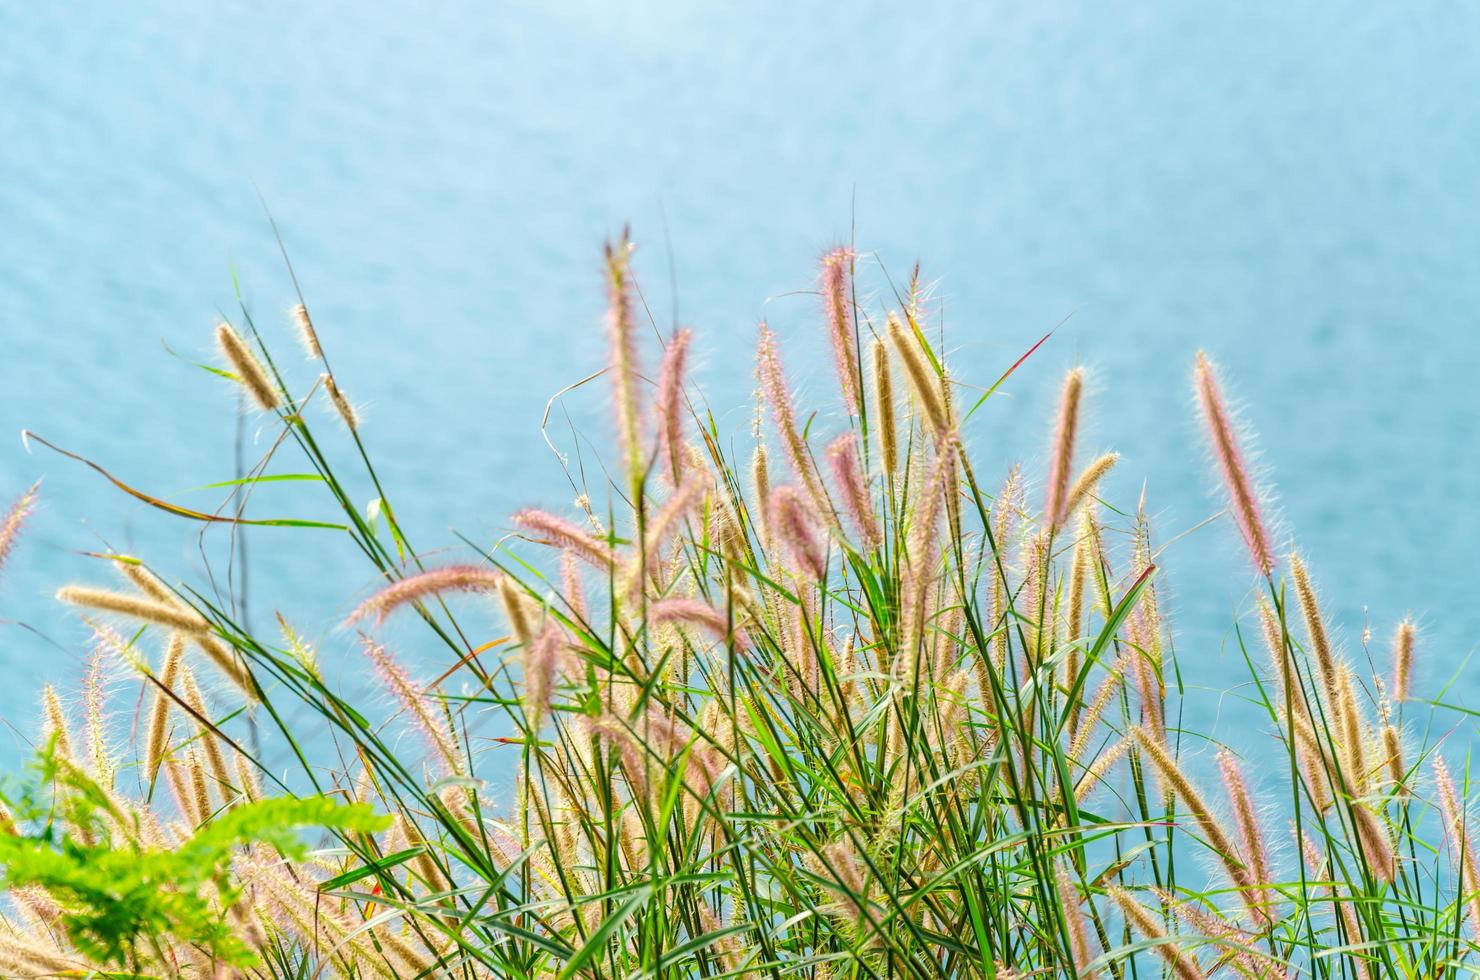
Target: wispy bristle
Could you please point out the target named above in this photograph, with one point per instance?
(623, 365)
(419, 706)
(541, 659)
(1402, 660)
(1078, 935)
(1250, 835)
(516, 608)
(883, 420)
(778, 397)
(793, 524)
(565, 534)
(847, 472)
(173, 616)
(306, 333)
(1066, 429)
(1100, 768)
(1175, 780)
(249, 371)
(1087, 484)
(1315, 626)
(159, 706)
(342, 407)
(924, 381)
(670, 407)
(1461, 845)
(1352, 732)
(423, 585)
(208, 741)
(15, 519)
(694, 612)
(835, 275)
(760, 480)
(54, 723)
(1243, 497)
(1143, 921)
(1392, 748)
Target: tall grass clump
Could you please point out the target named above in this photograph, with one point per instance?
(823, 699)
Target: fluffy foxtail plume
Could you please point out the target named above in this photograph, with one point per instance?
(564, 534)
(924, 381)
(842, 454)
(1233, 940)
(54, 722)
(655, 534)
(794, 525)
(1142, 920)
(517, 609)
(418, 706)
(1086, 484)
(306, 333)
(623, 366)
(883, 419)
(1316, 862)
(1352, 732)
(835, 276)
(1066, 430)
(413, 588)
(670, 407)
(778, 396)
(172, 616)
(1078, 935)
(695, 613)
(1461, 845)
(760, 478)
(15, 518)
(1402, 659)
(841, 864)
(572, 589)
(1392, 749)
(342, 407)
(1243, 497)
(1314, 625)
(159, 706)
(1250, 834)
(1175, 780)
(249, 371)
(541, 660)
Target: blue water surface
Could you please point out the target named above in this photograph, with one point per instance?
(1292, 186)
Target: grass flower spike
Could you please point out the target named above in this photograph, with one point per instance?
(1243, 497)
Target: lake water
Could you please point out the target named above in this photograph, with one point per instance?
(1293, 187)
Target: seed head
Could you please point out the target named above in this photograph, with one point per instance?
(414, 588)
(306, 334)
(1243, 497)
(842, 455)
(1055, 507)
(670, 408)
(835, 275)
(924, 381)
(249, 371)
(883, 420)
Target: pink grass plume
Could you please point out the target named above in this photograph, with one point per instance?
(1243, 498)
(794, 525)
(670, 397)
(1066, 432)
(842, 456)
(15, 519)
(835, 282)
(564, 534)
(436, 581)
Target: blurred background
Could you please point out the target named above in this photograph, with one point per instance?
(1292, 187)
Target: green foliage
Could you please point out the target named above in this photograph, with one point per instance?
(119, 896)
